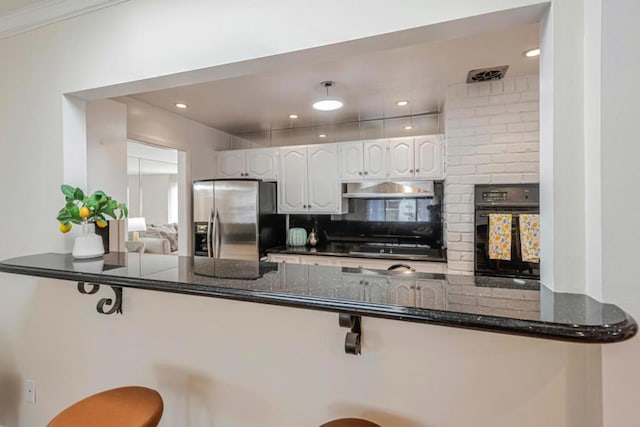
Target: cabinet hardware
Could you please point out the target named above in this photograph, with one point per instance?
(410, 170)
(417, 170)
(359, 173)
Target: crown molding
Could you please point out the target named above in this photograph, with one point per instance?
(47, 12)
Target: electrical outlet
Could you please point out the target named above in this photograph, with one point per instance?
(30, 391)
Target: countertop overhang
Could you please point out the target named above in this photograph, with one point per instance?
(479, 303)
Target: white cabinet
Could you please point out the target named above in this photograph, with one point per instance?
(401, 158)
(429, 157)
(261, 163)
(308, 181)
(397, 158)
(421, 293)
(285, 258)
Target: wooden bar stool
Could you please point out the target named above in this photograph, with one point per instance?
(122, 407)
(350, 422)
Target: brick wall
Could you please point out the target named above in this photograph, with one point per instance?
(491, 137)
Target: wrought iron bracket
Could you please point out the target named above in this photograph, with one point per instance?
(112, 305)
(352, 341)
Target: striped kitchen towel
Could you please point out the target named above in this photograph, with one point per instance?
(530, 237)
(500, 236)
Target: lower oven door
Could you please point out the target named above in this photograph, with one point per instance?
(502, 268)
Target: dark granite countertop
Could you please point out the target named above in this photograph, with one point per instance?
(345, 249)
(482, 303)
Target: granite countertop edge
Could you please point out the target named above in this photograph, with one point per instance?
(597, 334)
(305, 250)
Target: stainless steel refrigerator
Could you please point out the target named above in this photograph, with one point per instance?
(236, 219)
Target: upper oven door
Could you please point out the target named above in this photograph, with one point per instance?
(502, 268)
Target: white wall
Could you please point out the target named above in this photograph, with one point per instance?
(620, 93)
(222, 356)
(492, 137)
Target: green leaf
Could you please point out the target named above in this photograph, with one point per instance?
(78, 194)
(68, 191)
(75, 213)
(92, 203)
(124, 210)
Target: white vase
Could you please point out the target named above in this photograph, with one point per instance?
(89, 245)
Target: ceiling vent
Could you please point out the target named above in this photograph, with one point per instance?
(487, 74)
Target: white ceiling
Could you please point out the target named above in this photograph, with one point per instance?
(369, 83)
(8, 6)
(144, 159)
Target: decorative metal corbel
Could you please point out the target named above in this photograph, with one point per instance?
(352, 341)
(116, 303)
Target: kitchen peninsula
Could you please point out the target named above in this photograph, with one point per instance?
(502, 305)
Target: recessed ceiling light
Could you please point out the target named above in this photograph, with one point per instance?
(293, 116)
(402, 103)
(322, 135)
(408, 127)
(181, 105)
(328, 103)
(532, 53)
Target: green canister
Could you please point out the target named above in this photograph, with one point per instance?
(297, 237)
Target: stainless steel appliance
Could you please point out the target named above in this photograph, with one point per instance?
(512, 199)
(236, 219)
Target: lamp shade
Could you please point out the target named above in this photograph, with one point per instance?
(136, 224)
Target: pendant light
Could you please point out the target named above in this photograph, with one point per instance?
(328, 103)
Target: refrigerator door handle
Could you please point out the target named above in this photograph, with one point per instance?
(215, 236)
(210, 235)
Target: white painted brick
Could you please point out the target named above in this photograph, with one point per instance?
(453, 179)
(522, 84)
(460, 266)
(521, 167)
(488, 111)
(508, 85)
(460, 113)
(460, 150)
(491, 129)
(452, 198)
(534, 82)
(454, 237)
(477, 101)
(466, 198)
(522, 107)
(461, 246)
(460, 228)
(515, 158)
(491, 168)
(531, 136)
(459, 208)
(524, 147)
(477, 89)
(467, 237)
(508, 137)
(453, 102)
(462, 170)
(467, 256)
(505, 178)
(497, 87)
(463, 132)
(476, 159)
(470, 140)
(508, 98)
(522, 127)
(491, 149)
(474, 122)
(452, 217)
(506, 118)
(454, 161)
(476, 179)
(451, 124)
(459, 189)
(466, 218)
(532, 116)
(531, 177)
(530, 96)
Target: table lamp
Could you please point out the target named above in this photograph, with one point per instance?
(135, 225)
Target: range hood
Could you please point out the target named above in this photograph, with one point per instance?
(389, 190)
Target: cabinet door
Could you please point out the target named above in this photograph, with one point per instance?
(430, 294)
(402, 292)
(375, 159)
(292, 183)
(262, 164)
(351, 161)
(352, 287)
(323, 281)
(429, 157)
(231, 164)
(324, 185)
(376, 289)
(401, 158)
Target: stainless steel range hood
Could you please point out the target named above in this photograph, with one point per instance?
(389, 190)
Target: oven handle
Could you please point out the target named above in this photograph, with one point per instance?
(396, 266)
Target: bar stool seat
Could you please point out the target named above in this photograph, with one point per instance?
(122, 407)
(350, 422)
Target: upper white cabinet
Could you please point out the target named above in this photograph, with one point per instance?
(363, 160)
(396, 158)
(429, 157)
(261, 163)
(309, 181)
